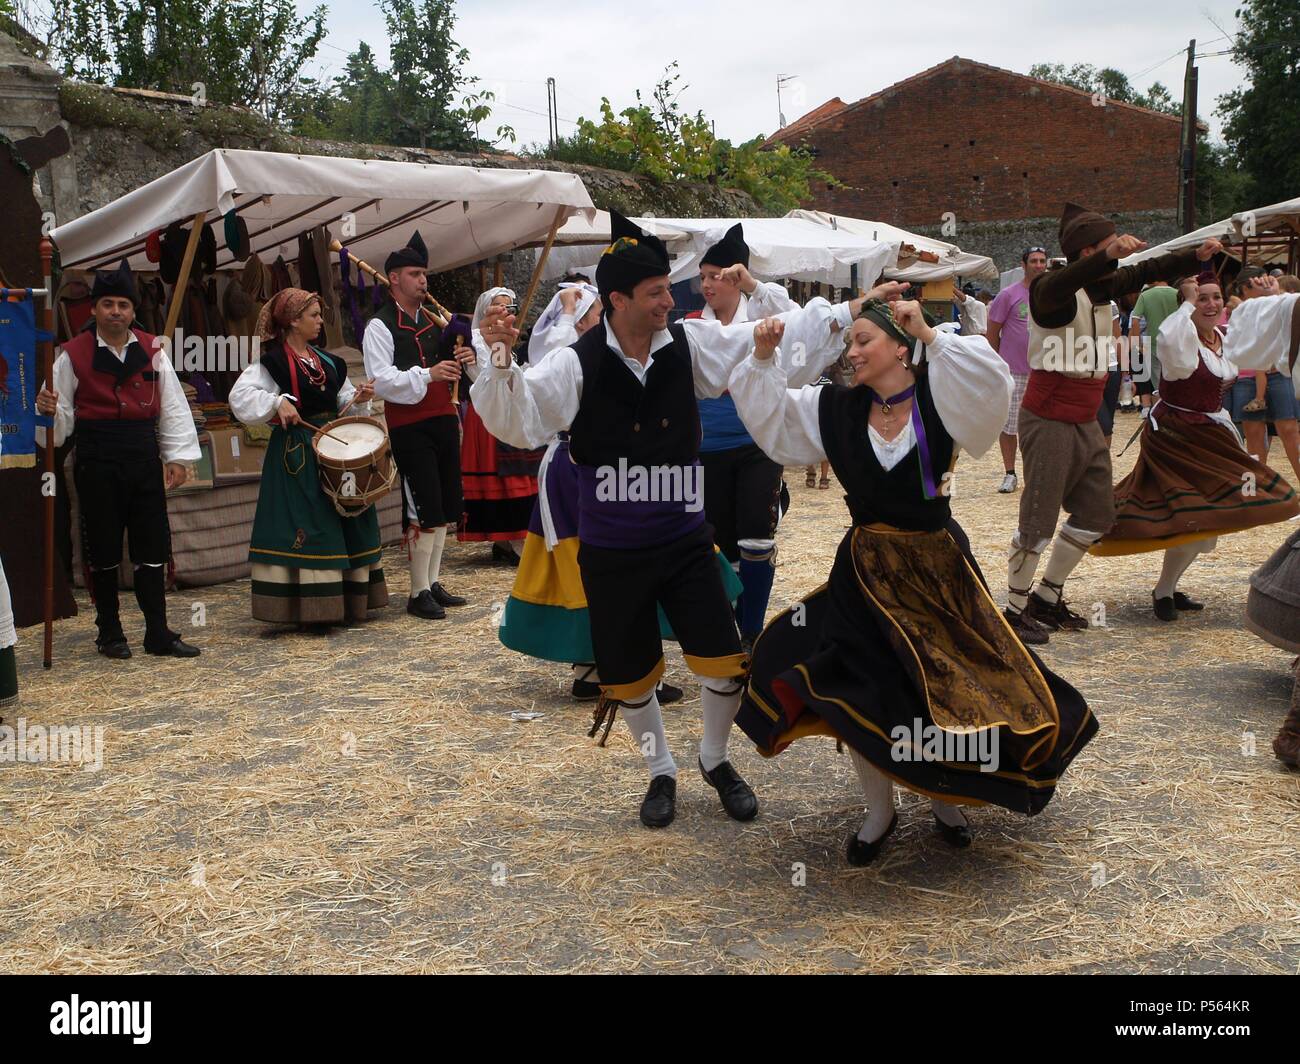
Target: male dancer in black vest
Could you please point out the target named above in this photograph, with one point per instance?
(414, 381)
(121, 395)
(627, 391)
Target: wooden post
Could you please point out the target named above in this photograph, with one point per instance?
(498, 274)
(49, 480)
(482, 276)
(541, 265)
(183, 279)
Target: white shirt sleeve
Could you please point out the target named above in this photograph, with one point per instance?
(391, 384)
(974, 317)
(178, 439)
(1259, 333)
(783, 421)
(971, 387)
(346, 392)
(808, 346)
(1179, 346)
(65, 385)
(770, 299)
(255, 397)
(527, 409)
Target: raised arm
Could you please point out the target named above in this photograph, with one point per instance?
(1180, 347)
(783, 421)
(1260, 333)
(527, 409)
(971, 387)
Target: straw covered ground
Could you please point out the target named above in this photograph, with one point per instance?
(363, 801)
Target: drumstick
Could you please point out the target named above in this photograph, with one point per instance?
(330, 435)
(440, 313)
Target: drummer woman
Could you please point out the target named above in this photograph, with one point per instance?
(310, 564)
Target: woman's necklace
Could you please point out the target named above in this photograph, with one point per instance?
(311, 365)
(889, 407)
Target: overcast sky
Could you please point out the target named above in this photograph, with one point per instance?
(731, 53)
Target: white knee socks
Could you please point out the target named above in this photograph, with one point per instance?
(646, 723)
(1067, 552)
(439, 540)
(421, 547)
(1177, 559)
(879, 791)
(1020, 573)
(720, 710)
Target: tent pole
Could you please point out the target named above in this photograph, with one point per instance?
(183, 278)
(47, 489)
(541, 265)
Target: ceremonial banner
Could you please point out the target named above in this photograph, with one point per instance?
(19, 381)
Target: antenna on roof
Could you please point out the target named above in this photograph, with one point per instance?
(782, 79)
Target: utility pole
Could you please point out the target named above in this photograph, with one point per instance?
(1187, 157)
(552, 112)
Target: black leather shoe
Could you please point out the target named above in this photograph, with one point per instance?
(1186, 602)
(1029, 631)
(1056, 616)
(423, 605)
(959, 836)
(860, 854)
(177, 648)
(117, 649)
(668, 694)
(502, 553)
(1164, 607)
(737, 796)
(660, 803)
(443, 597)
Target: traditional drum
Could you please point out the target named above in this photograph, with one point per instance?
(356, 463)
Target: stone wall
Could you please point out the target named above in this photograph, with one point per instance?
(1005, 241)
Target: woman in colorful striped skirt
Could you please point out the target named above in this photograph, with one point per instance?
(903, 654)
(311, 565)
(1194, 480)
(500, 482)
(546, 614)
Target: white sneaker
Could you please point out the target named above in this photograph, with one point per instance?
(1009, 484)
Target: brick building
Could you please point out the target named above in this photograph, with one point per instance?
(999, 150)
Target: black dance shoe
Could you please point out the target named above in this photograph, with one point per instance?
(443, 597)
(737, 796)
(1165, 608)
(860, 854)
(502, 553)
(177, 648)
(1028, 630)
(117, 649)
(660, 803)
(668, 694)
(1056, 616)
(958, 836)
(1186, 602)
(424, 605)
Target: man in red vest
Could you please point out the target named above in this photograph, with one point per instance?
(413, 379)
(134, 431)
(1067, 459)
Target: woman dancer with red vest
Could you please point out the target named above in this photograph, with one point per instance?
(121, 395)
(1194, 480)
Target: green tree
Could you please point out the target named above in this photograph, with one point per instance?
(1261, 123)
(424, 99)
(663, 141)
(1111, 83)
(246, 52)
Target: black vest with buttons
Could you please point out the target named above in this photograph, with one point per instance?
(652, 424)
(876, 495)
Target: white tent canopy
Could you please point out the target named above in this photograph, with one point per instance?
(465, 214)
(1244, 225)
(787, 248)
(581, 240)
(953, 262)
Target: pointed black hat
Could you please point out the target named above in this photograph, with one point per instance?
(115, 283)
(633, 256)
(728, 251)
(414, 254)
